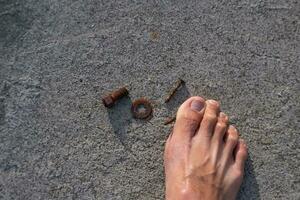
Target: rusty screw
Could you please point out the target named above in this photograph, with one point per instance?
(178, 83)
(169, 120)
(110, 99)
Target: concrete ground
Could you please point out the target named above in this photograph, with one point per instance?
(59, 57)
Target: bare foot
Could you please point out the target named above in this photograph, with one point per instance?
(204, 158)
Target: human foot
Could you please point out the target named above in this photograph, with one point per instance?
(204, 158)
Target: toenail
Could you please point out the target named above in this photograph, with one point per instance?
(197, 105)
(243, 143)
(222, 115)
(213, 102)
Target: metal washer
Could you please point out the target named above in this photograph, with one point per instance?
(135, 108)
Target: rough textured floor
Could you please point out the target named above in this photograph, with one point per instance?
(58, 57)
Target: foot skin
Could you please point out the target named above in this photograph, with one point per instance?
(204, 157)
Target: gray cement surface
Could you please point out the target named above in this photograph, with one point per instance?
(58, 57)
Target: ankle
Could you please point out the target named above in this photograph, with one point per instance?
(192, 193)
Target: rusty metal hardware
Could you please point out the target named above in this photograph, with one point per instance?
(169, 120)
(178, 83)
(111, 98)
(141, 108)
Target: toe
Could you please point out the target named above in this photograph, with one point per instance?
(217, 143)
(210, 119)
(188, 118)
(241, 155)
(220, 128)
(231, 140)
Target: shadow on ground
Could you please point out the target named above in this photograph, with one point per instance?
(178, 98)
(249, 189)
(120, 118)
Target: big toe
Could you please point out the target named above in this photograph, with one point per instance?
(210, 119)
(188, 118)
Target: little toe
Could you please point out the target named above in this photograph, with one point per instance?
(231, 140)
(188, 118)
(241, 154)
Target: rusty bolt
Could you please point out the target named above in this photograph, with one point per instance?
(110, 99)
